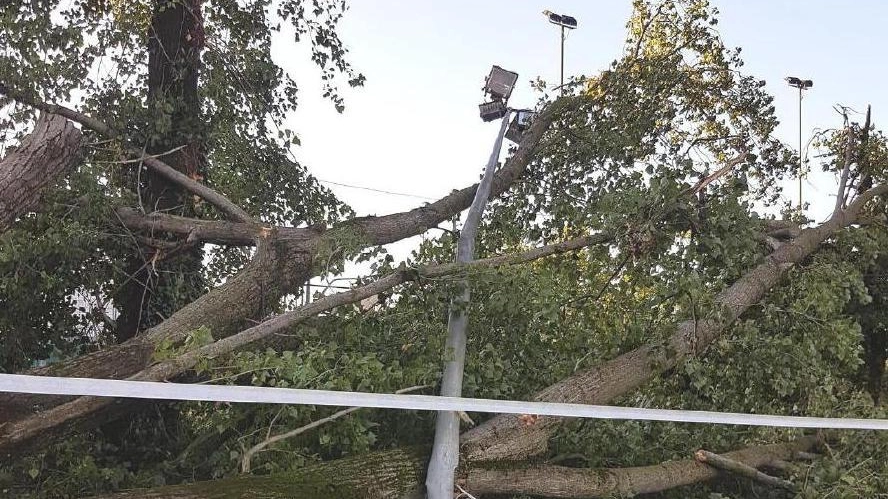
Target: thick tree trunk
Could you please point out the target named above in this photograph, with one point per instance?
(174, 45)
(46, 153)
(390, 474)
(397, 473)
(558, 481)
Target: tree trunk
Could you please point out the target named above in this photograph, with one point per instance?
(47, 152)
(390, 474)
(397, 473)
(559, 481)
(174, 44)
(28, 418)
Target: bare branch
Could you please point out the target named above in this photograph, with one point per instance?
(211, 196)
(846, 168)
(209, 231)
(718, 174)
(741, 469)
(142, 158)
(248, 455)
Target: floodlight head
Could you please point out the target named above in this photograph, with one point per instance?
(568, 22)
(520, 123)
(490, 111)
(562, 20)
(500, 83)
(799, 83)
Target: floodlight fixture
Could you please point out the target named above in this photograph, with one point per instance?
(500, 83)
(520, 123)
(492, 110)
(566, 22)
(562, 20)
(802, 85)
(799, 83)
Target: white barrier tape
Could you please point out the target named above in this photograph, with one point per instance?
(48, 385)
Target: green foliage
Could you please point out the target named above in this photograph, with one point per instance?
(96, 52)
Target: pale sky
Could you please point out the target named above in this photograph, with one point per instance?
(414, 127)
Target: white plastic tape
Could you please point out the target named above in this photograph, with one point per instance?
(47, 385)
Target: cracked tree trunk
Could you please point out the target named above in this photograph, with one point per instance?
(174, 45)
(46, 153)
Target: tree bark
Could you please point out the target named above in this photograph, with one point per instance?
(396, 473)
(558, 481)
(380, 475)
(729, 465)
(175, 40)
(46, 153)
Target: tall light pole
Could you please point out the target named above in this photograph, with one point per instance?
(802, 85)
(566, 22)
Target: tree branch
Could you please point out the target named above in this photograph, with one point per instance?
(61, 418)
(846, 168)
(211, 196)
(209, 231)
(249, 453)
(730, 465)
(506, 437)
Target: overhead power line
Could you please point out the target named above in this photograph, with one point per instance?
(382, 191)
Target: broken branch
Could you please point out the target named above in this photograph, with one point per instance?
(738, 468)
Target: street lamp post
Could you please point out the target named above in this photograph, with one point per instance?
(566, 22)
(802, 85)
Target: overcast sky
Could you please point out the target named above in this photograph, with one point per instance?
(414, 127)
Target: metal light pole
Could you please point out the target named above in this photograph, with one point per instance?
(802, 85)
(566, 22)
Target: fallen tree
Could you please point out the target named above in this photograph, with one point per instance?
(395, 474)
(575, 178)
(284, 260)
